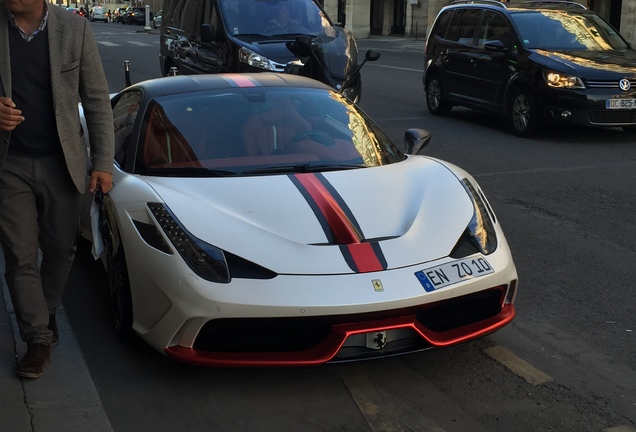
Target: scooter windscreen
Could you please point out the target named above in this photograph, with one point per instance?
(338, 51)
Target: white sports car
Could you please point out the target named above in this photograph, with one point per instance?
(264, 220)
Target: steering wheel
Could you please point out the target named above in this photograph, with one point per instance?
(321, 137)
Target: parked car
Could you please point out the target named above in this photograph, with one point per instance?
(118, 15)
(136, 15)
(98, 14)
(528, 63)
(156, 21)
(80, 12)
(262, 219)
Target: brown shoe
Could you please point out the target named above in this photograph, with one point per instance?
(53, 327)
(34, 361)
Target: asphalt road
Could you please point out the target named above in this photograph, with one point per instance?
(567, 363)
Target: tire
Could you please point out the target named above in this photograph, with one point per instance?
(522, 113)
(435, 101)
(120, 294)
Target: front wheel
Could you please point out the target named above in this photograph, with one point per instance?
(522, 114)
(435, 97)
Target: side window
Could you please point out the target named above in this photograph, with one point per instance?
(172, 16)
(125, 112)
(191, 16)
(494, 27)
(442, 24)
(464, 25)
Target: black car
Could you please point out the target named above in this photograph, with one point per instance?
(531, 62)
(135, 15)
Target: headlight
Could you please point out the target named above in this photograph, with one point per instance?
(205, 260)
(255, 60)
(481, 227)
(560, 80)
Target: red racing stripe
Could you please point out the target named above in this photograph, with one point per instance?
(363, 256)
(238, 80)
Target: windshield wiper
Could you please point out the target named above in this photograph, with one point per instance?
(190, 172)
(302, 168)
(291, 35)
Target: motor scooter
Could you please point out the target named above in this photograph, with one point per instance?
(332, 58)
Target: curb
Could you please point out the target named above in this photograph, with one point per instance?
(64, 399)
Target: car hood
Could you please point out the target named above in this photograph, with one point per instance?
(592, 65)
(406, 213)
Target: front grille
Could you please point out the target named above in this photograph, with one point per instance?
(461, 311)
(613, 85)
(262, 334)
(255, 335)
(609, 117)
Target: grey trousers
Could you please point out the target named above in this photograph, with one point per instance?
(39, 211)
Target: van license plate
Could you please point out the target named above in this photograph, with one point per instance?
(620, 103)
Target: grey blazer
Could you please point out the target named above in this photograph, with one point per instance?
(76, 74)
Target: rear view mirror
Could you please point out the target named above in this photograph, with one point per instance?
(415, 140)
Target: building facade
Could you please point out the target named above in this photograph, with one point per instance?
(412, 18)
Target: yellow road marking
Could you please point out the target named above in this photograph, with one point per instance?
(517, 365)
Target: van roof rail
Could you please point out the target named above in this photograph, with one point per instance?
(560, 3)
(490, 2)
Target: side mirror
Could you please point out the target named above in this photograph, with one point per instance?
(371, 55)
(207, 33)
(415, 140)
(495, 46)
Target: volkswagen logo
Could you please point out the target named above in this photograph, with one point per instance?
(624, 84)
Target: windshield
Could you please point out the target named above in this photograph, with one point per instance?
(563, 30)
(273, 17)
(261, 130)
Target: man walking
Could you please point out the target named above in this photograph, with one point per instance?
(48, 62)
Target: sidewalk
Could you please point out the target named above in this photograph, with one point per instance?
(64, 399)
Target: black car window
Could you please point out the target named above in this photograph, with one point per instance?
(442, 24)
(559, 30)
(191, 15)
(464, 25)
(494, 27)
(125, 111)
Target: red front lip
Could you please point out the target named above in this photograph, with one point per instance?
(329, 347)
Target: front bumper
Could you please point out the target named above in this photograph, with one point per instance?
(587, 107)
(318, 340)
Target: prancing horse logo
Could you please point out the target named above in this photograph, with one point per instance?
(380, 340)
(624, 84)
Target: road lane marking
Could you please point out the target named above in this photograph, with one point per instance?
(369, 400)
(106, 43)
(517, 365)
(138, 43)
(382, 411)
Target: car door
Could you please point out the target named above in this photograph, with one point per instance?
(462, 46)
(492, 68)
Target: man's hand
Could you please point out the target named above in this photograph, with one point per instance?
(10, 117)
(101, 178)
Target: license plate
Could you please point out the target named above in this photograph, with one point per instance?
(620, 103)
(435, 278)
